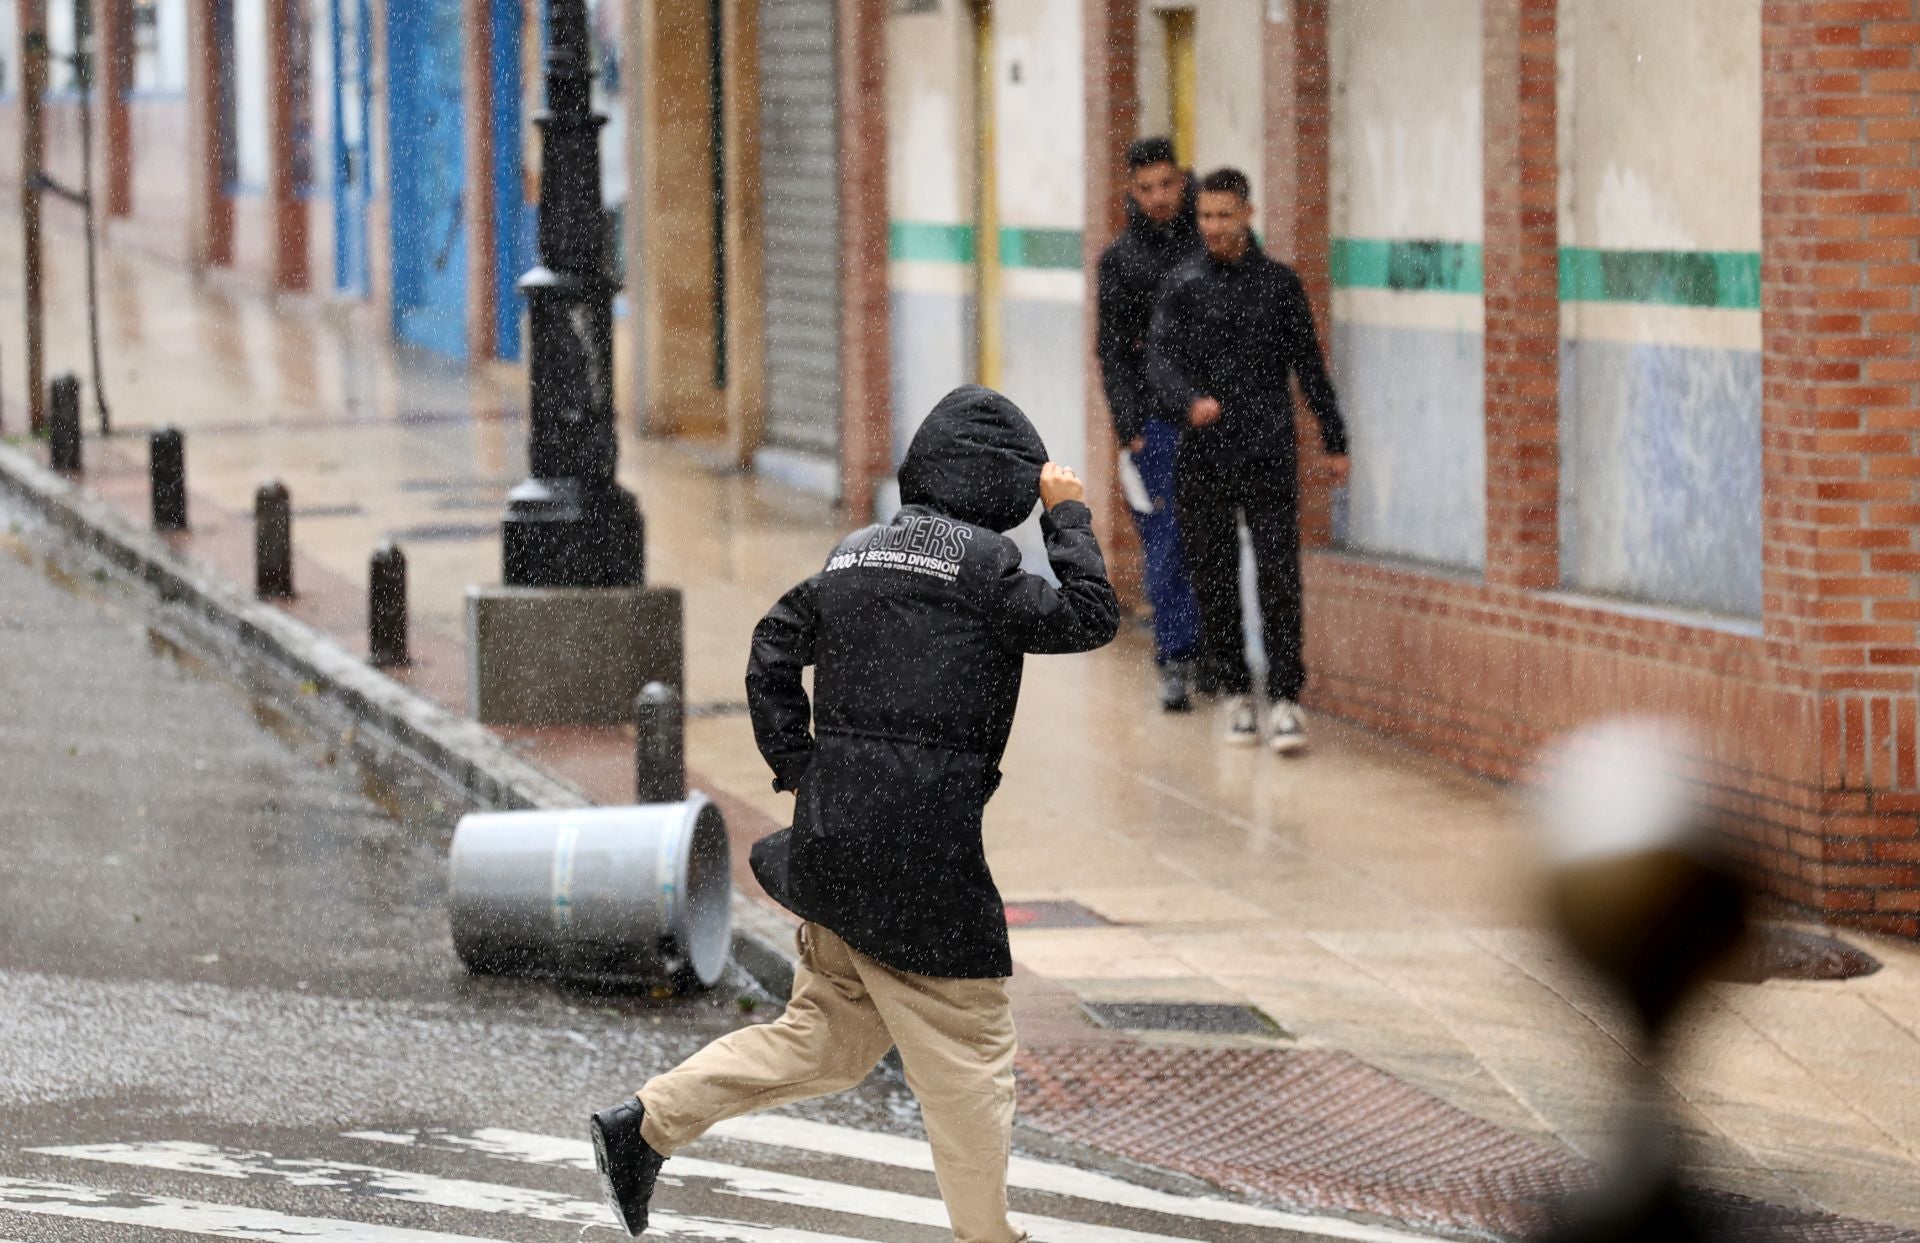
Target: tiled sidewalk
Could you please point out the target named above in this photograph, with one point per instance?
(1373, 903)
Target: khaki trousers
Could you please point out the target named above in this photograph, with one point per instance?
(956, 1042)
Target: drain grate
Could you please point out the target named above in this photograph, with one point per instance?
(1773, 953)
(1053, 914)
(1161, 1016)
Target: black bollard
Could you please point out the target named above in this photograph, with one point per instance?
(167, 478)
(387, 607)
(63, 423)
(659, 755)
(273, 542)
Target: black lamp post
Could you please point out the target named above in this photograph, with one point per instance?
(571, 524)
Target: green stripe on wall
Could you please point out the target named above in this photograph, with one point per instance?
(1424, 266)
(1040, 248)
(918, 241)
(1728, 280)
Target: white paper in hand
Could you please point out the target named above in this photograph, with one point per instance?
(1133, 487)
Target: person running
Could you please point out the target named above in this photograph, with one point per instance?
(1159, 236)
(1231, 330)
(916, 630)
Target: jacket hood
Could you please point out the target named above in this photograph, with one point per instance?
(977, 458)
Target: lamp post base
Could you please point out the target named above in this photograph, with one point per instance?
(561, 533)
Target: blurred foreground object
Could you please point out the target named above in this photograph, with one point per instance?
(640, 894)
(1643, 894)
(1638, 886)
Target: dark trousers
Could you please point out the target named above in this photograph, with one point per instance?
(1211, 503)
(1176, 617)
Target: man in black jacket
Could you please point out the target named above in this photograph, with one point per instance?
(1231, 330)
(1159, 237)
(916, 630)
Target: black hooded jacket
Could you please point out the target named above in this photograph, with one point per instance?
(916, 630)
(1238, 332)
(1131, 270)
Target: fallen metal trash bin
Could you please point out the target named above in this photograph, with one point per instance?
(641, 892)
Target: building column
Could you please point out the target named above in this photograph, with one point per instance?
(1110, 37)
(1840, 316)
(746, 301)
(290, 112)
(116, 79)
(676, 203)
(478, 198)
(1522, 252)
(866, 314)
(213, 214)
(1297, 84)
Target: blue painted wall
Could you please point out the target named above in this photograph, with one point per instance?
(427, 175)
(1660, 474)
(1413, 403)
(512, 256)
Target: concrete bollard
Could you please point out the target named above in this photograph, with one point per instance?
(273, 541)
(627, 893)
(387, 607)
(167, 478)
(659, 746)
(63, 423)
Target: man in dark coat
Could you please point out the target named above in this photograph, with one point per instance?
(916, 630)
(1159, 237)
(1231, 331)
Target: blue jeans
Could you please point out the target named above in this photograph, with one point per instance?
(1176, 613)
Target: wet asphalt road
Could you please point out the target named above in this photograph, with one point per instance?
(230, 1008)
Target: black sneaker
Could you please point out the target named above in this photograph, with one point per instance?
(627, 1163)
(1176, 687)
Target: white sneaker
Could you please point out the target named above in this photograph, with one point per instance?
(1286, 728)
(1243, 725)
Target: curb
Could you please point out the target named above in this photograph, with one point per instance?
(461, 752)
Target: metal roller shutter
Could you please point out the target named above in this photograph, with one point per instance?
(799, 122)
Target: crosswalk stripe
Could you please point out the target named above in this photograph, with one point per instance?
(792, 1190)
(533, 1149)
(184, 1157)
(762, 1185)
(1028, 1174)
(225, 1221)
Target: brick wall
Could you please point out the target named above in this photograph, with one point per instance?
(1810, 717)
(1522, 264)
(1298, 83)
(1841, 322)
